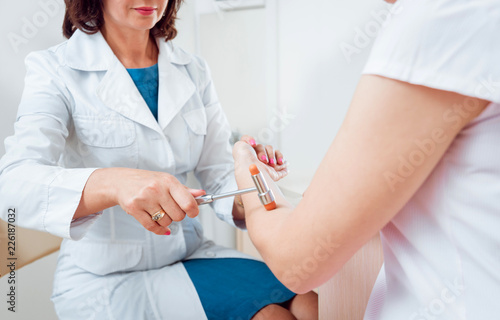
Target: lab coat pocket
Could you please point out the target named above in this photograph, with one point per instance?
(105, 258)
(196, 121)
(106, 141)
(104, 132)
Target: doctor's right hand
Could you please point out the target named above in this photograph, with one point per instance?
(144, 194)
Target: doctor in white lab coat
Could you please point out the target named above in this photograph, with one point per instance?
(81, 111)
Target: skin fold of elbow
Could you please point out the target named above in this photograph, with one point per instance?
(295, 280)
(303, 273)
(297, 276)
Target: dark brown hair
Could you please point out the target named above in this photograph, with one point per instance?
(87, 16)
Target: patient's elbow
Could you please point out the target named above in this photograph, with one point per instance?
(295, 282)
(302, 277)
(294, 277)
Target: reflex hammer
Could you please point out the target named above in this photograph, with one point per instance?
(265, 194)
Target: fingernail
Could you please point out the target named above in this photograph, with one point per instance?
(280, 160)
(168, 233)
(263, 158)
(252, 142)
(271, 161)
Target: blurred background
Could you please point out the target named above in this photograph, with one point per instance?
(285, 71)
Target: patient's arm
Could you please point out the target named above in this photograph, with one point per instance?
(272, 161)
(355, 191)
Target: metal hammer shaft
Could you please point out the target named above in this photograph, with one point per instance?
(208, 198)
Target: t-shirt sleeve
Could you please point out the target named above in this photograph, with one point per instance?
(448, 45)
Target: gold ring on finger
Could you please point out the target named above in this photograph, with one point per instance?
(158, 215)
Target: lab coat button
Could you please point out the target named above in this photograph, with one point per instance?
(210, 254)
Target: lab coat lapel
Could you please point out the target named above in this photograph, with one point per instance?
(175, 88)
(118, 91)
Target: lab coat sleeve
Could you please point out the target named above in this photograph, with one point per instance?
(215, 169)
(44, 195)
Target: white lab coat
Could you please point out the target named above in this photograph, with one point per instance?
(80, 111)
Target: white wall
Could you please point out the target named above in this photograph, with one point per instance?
(234, 45)
(25, 26)
(316, 81)
(285, 62)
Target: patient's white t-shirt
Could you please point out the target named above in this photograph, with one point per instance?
(442, 250)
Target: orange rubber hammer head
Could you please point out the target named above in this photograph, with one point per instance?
(266, 195)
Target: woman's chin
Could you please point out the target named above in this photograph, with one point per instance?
(143, 23)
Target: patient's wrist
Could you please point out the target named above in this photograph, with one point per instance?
(241, 168)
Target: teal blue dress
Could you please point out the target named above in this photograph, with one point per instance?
(146, 81)
(228, 288)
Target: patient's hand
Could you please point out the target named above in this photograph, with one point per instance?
(247, 151)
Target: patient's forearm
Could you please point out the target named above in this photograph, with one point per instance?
(266, 227)
(286, 238)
